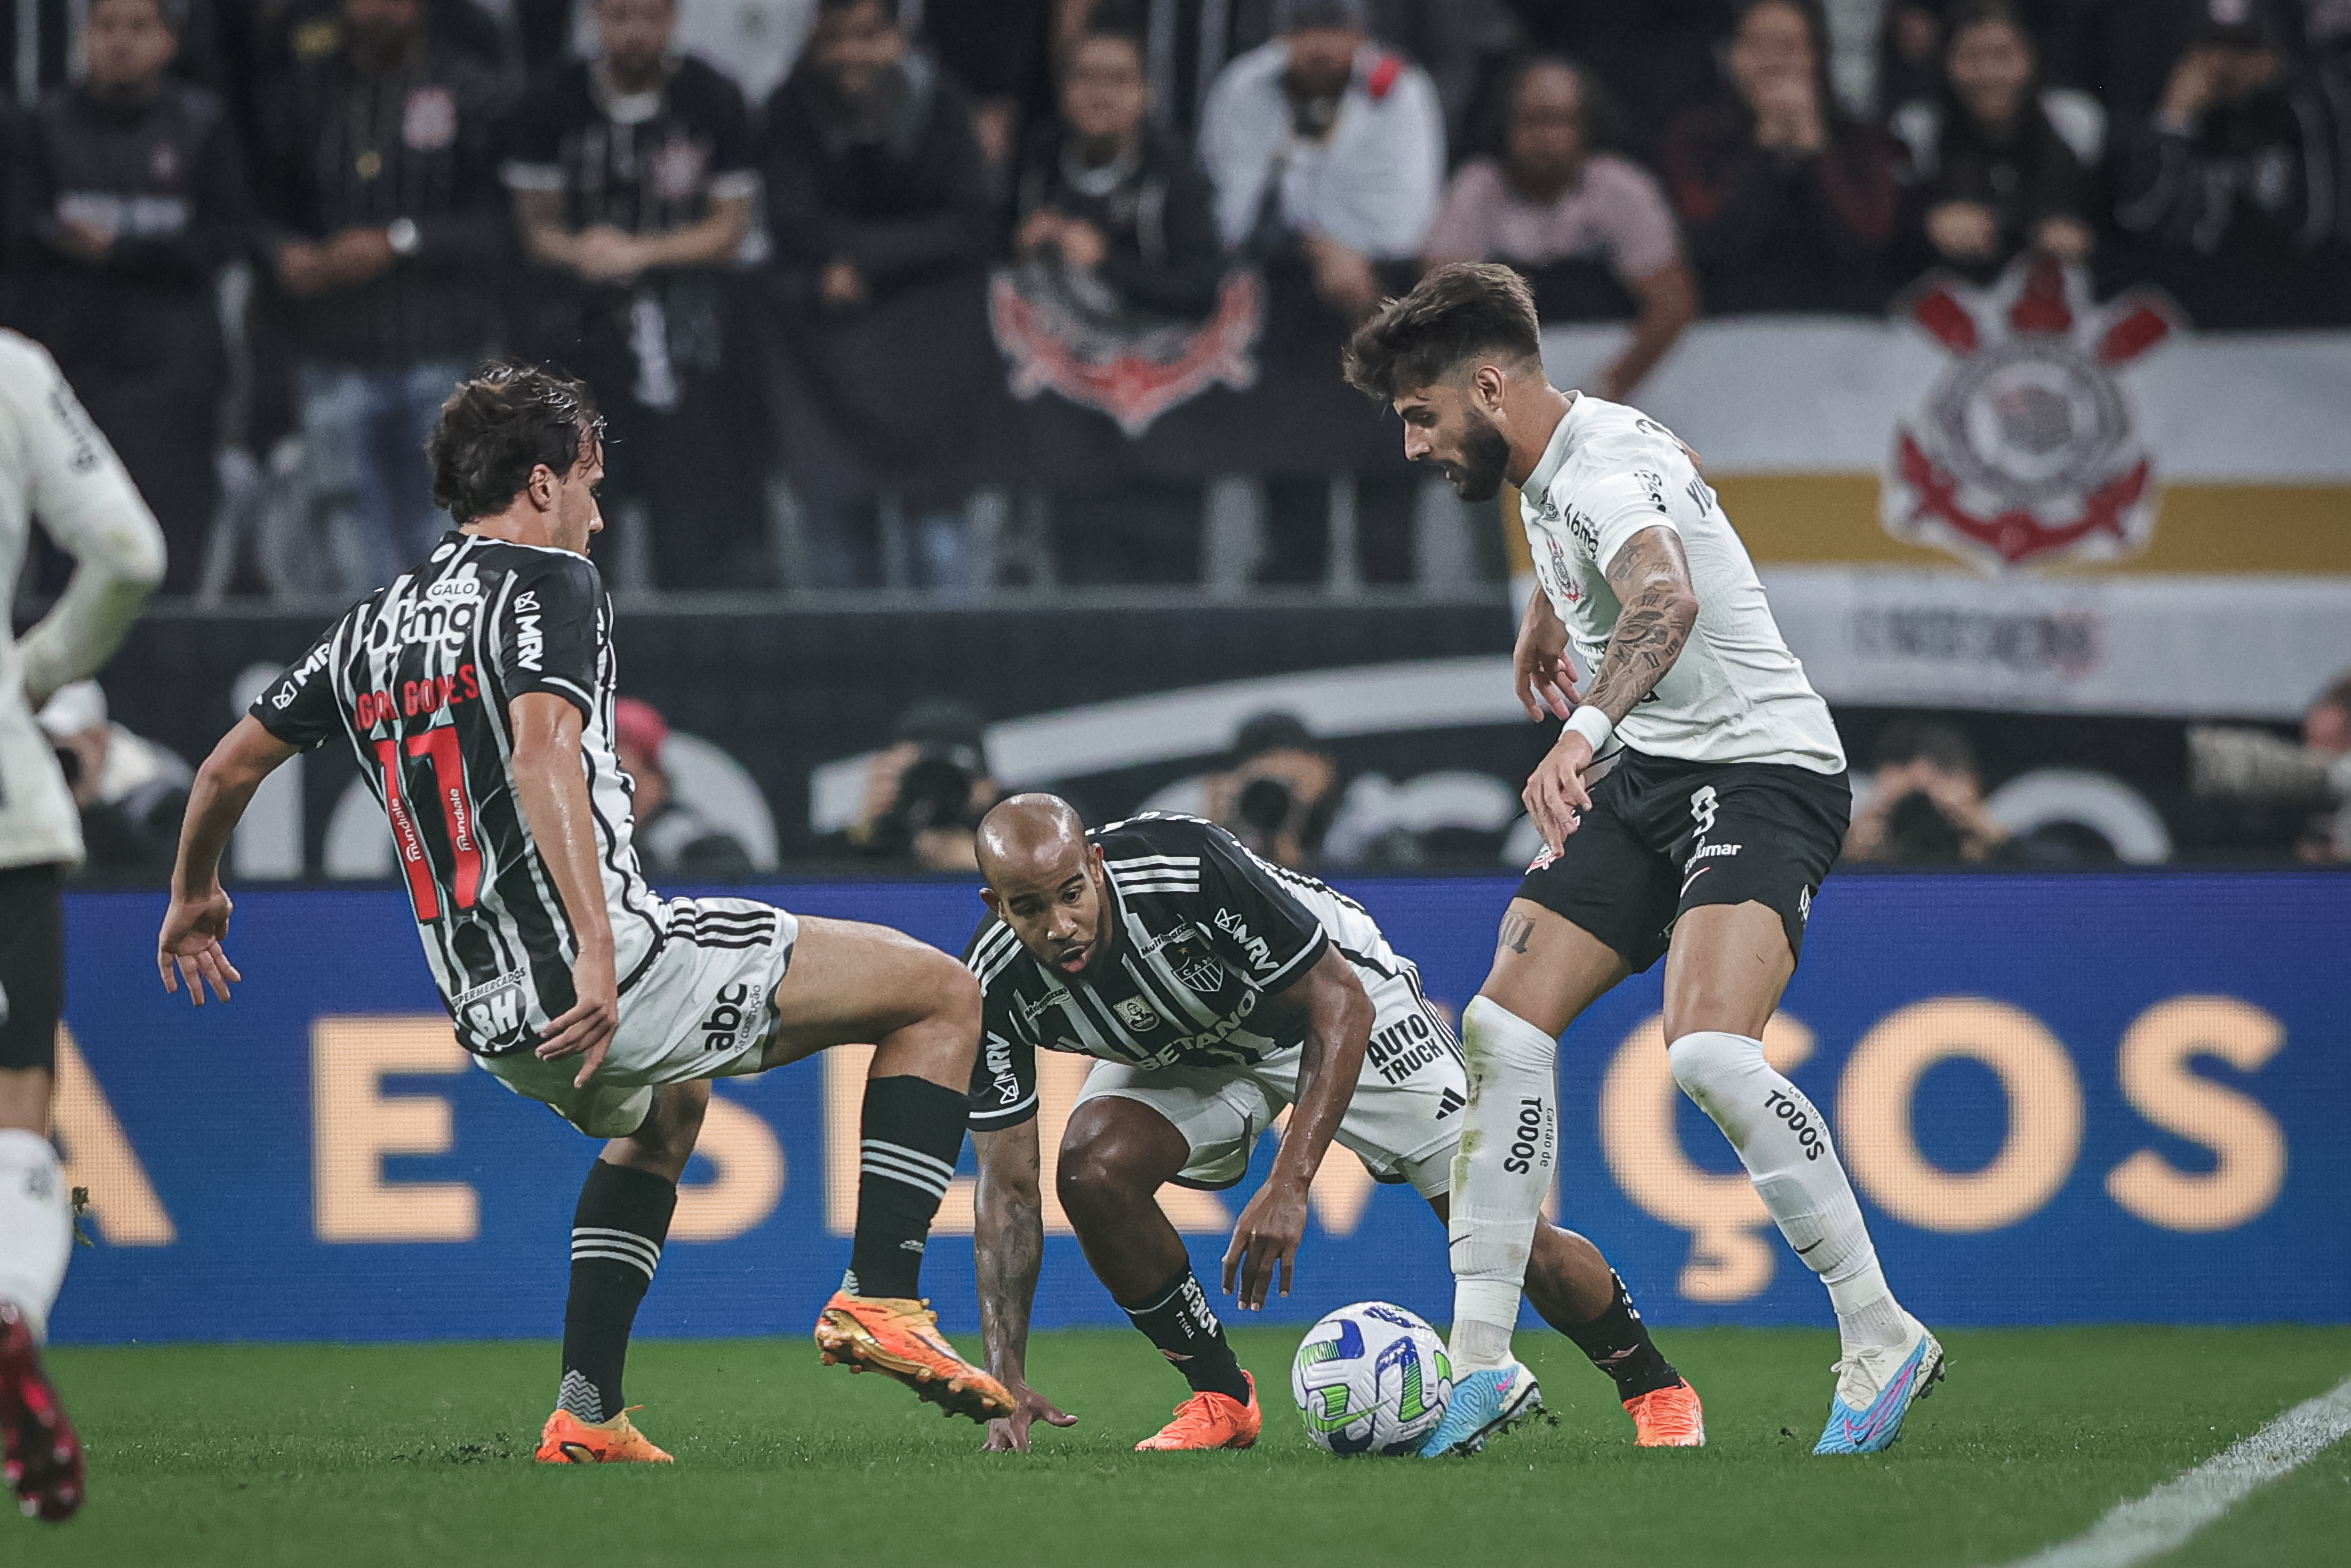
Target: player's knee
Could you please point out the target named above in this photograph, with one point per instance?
(1706, 1062)
(1093, 1178)
(956, 996)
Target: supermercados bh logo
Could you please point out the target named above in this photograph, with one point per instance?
(2026, 449)
(1064, 331)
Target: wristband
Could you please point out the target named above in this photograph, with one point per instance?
(1593, 725)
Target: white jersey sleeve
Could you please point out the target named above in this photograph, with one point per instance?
(1736, 694)
(58, 471)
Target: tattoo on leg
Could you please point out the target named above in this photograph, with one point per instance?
(1516, 929)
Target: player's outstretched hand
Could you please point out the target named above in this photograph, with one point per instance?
(586, 1028)
(189, 945)
(1265, 1242)
(1556, 796)
(1010, 1434)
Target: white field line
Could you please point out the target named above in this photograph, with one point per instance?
(2148, 1527)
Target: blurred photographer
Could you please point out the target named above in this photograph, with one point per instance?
(926, 793)
(129, 790)
(1925, 805)
(1280, 792)
(2251, 767)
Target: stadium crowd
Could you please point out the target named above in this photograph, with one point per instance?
(792, 243)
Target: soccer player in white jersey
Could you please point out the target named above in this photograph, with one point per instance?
(1694, 801)
(1215, 988)
(476, 692)
(58, 471)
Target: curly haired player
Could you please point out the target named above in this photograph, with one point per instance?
(1694, 801)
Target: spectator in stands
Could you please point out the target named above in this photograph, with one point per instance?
(882, 219)
(875, 178)
(130, 791)
(129, 196)
(1327, 153)
(632, 178)
(1787, 203)
(1108, 197)
(1591, 231)
(2125, 51)
(1992, 175)
(2235, 189)
(1657, 58)
(1925, 801)
(1000, 50)
(1910, 56)
(1327, 149)
(386, 230)
(1113, 225)
(925, 793)
(674, 839)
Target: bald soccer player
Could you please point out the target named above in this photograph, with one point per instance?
(1217, 988)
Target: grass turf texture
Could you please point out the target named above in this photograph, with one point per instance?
(420, 1454)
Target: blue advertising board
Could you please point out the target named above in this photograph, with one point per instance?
(2063, 1098)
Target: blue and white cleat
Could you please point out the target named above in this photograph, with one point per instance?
(1484, 1404)
(1875, 1388)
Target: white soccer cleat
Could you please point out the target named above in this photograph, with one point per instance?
(1876, 1386)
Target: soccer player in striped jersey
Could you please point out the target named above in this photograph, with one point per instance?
(1216, 988)
(476, 692)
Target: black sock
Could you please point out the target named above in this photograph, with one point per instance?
(1618, 1343)
(1184, 1327)
(913, 1132)
(616, 1237)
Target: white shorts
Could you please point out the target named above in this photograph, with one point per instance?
(705, 1008)
(1403, 1122)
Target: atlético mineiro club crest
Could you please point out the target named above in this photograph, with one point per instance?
(1063, 333)
(2026, 450)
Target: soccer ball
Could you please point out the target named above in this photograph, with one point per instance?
(1371, 1379)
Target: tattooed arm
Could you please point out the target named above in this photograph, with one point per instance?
(1657, 609)
(1009, 1252)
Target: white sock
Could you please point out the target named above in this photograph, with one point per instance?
(1503, 1169)
(36, 1226)
(1783, 1140)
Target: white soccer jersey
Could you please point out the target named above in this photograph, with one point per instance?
(1736, 694)
(55, 468)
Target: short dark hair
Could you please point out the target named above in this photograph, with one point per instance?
(889, 7)
(498, 426)
(1924, 740)
(1459, 309)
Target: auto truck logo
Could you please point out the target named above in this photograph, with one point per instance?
(2025, 450)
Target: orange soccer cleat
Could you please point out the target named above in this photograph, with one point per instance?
(1209, 1420)
(899, 1336)
(1668, 1418)
(567, 1440)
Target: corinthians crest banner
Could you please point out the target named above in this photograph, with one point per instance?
(2027, 449)
(2017, 428)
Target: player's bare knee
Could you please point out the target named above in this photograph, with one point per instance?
(957, 998)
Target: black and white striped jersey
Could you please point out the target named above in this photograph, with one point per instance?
(1202, 932)
(418, 677)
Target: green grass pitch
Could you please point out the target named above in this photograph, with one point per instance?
(420, 1455)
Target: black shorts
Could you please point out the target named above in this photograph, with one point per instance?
(1664, 836)
(32, 965)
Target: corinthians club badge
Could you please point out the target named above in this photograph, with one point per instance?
(1066, 332)
(2025, 450)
